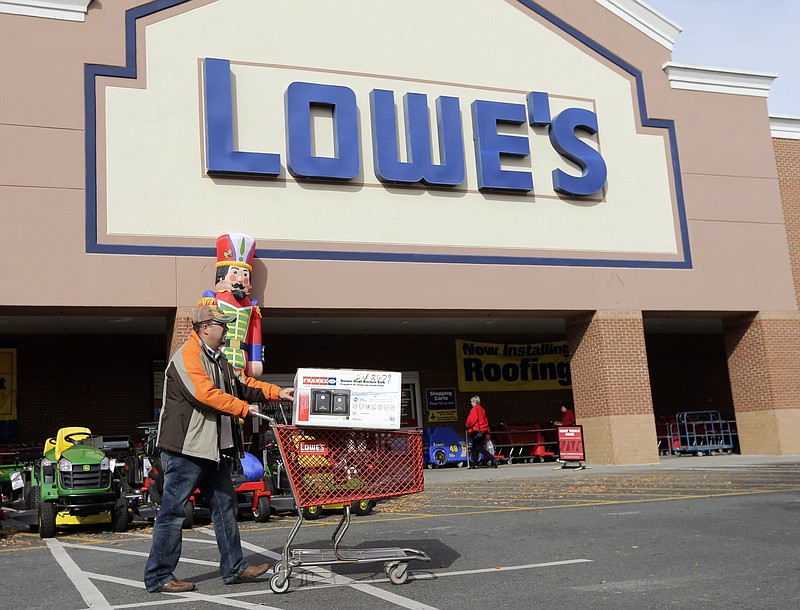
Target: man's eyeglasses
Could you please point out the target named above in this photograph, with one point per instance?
(222, 324)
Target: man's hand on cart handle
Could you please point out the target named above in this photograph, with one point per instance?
(256, 412)
(286, 394)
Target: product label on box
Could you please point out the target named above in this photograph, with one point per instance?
(347, 398)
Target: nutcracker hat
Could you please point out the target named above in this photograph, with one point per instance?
(236, 249)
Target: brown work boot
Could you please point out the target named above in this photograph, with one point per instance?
(251, 572)
(176, 586)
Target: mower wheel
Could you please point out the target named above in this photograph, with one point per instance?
(312, 512)
(269, 484)
(188, 515)
(119, 516)
(262, 510)
(33, 494)
(47, 520)
(440, 457)
(362, 508)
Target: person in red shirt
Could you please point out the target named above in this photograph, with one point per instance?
(567, 417)
(478, 429)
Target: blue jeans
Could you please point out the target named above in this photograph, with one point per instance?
(182, 475)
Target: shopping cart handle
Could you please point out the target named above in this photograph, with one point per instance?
(262, 416)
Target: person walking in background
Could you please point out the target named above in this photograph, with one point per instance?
(204, 397)
(477, 430)
(567, 417)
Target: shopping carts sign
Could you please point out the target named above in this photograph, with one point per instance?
(312, 448)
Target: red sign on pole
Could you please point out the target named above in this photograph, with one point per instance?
(570, 443)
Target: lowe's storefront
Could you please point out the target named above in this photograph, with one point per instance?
(523, 200)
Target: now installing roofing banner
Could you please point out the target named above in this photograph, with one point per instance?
(509, 367)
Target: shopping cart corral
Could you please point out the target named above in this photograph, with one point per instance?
(701, 432)
(332, 466)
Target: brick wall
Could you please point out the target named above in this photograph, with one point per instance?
(787, 160)
(764, 361)
(181, 325)
(609, 365)
(104, 382)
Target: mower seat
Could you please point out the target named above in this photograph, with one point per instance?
(49, 444)
(62, 444)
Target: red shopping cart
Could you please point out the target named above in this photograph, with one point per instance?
(342, 466)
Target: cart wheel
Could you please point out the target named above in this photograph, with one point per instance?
(460, 464)
(398, 574)
(440, 457)
(389, 565)
(262, 510)
(279, 583)
(278, 567)
(362, 508)
(312, 512)
(188, 515)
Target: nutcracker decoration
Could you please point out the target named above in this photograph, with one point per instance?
(243, 347)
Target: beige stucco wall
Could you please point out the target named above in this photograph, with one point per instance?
(625, 439)
(738, 241)
(775, 432)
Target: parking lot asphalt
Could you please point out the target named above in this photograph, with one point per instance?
(712, 531)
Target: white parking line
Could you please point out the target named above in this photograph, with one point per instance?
(90, 594)
(529, 566)
(315, 576)
(103, 549)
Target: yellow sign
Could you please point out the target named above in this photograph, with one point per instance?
(8, 384)
(436, 417)
(512, 367)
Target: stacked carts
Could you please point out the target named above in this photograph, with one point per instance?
(342, 466)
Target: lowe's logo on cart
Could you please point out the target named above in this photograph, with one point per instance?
(503, 133)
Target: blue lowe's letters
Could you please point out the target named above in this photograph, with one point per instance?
(538, 108)
(489, 145)
(419, 168)
(345, 163)
(221, 158)
(564, 140)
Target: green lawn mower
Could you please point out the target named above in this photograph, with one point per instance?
(74, 484)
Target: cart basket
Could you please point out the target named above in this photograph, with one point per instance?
(340, 466)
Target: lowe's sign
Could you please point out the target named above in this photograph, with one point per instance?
(301, 97)
(363, 131)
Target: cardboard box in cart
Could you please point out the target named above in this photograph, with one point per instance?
(344, 398)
